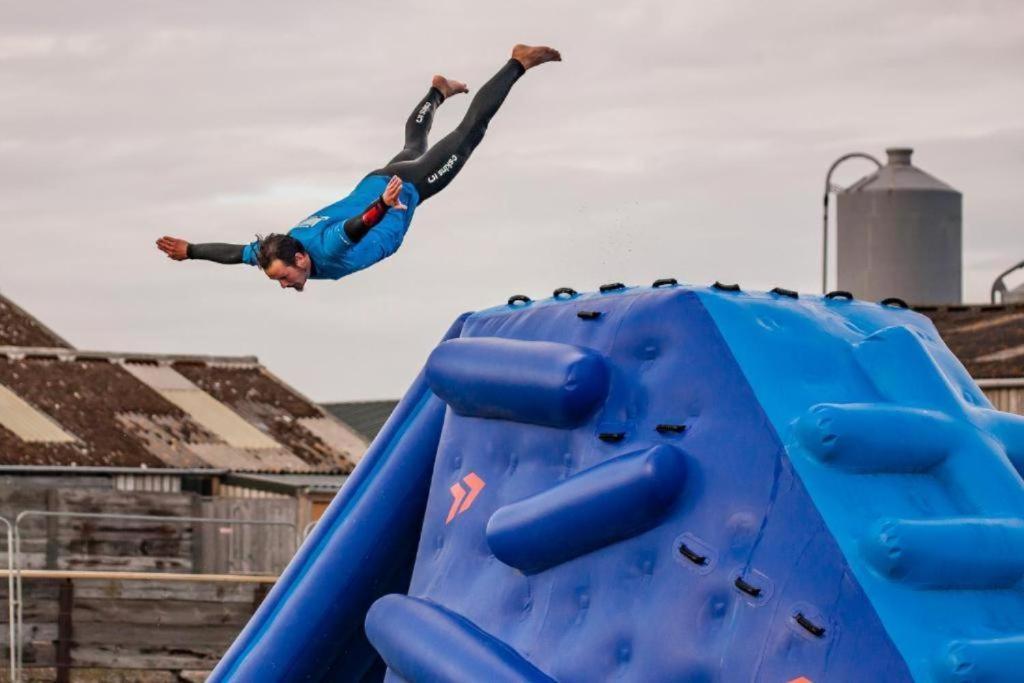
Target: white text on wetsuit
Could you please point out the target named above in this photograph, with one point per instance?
(422, 112)
(444, 169)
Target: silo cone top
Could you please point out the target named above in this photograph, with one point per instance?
(899, 174)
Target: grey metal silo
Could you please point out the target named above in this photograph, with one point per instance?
(900, 235)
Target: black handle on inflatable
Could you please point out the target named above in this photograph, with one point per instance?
(670, 429)
(611, 287)
(751, 590)
(519, 298)
(809, 626)
(588, 315)
(726, 288)
(894, 301)
(786, 292)
(569, 292)
(611, 437)
(839, 294)
(693, 556)
(665, 282)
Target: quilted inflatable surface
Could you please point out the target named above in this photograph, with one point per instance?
(669, 484)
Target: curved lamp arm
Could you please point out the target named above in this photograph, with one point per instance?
(824, 226)
(998, 286)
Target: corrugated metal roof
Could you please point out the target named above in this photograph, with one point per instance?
(27, 423)
(336, 433)
(160, 377)
(200, 406)
(203, 408)
(1005, 354)
(159, 410)
(218, 418)
(264, 399)
(120, 421)
(170, 438)
(988, 339)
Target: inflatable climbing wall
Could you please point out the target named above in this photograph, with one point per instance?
(668, 483)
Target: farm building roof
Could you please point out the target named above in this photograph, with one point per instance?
(19, 328)
(62, 406)
(988, 340)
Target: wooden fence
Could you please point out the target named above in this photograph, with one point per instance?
(135, 601)
(100, 626)
(79, 543)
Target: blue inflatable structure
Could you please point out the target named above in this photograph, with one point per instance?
(668, 483)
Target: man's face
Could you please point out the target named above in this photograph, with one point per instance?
(290, 277)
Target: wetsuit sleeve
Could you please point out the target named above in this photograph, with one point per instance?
(218, 252)
(357, 226)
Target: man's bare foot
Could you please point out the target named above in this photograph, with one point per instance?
(447, 86)
(533, 55)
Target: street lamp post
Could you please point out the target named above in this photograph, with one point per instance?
(824, 226)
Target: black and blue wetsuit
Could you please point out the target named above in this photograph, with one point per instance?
(360, 230)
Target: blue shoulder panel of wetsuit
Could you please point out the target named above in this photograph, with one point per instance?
(322, 233)
(249, 253)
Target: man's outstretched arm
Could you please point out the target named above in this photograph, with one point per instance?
(357, 226)
(179, 250)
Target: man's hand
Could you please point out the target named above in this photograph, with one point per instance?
(174, 248)
(390, 195)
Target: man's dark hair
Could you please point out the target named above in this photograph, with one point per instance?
(275, 246)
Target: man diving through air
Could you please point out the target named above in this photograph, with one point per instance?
(370, 223)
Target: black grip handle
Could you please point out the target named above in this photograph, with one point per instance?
(670, 429)
(518, 298)
(611, 287)
(752, 591)
(611, 437)
(692, 555)
(809, 626)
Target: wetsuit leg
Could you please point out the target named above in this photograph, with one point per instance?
(434, 170)
(418, 126)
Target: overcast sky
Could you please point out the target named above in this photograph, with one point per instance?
(684, 139)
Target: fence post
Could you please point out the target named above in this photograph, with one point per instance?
(65, 630)
(259, 594)
(52, 530)
(12, 633)
(198, 537)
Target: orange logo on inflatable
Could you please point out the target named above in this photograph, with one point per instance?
(802, 679)
(461, 499)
